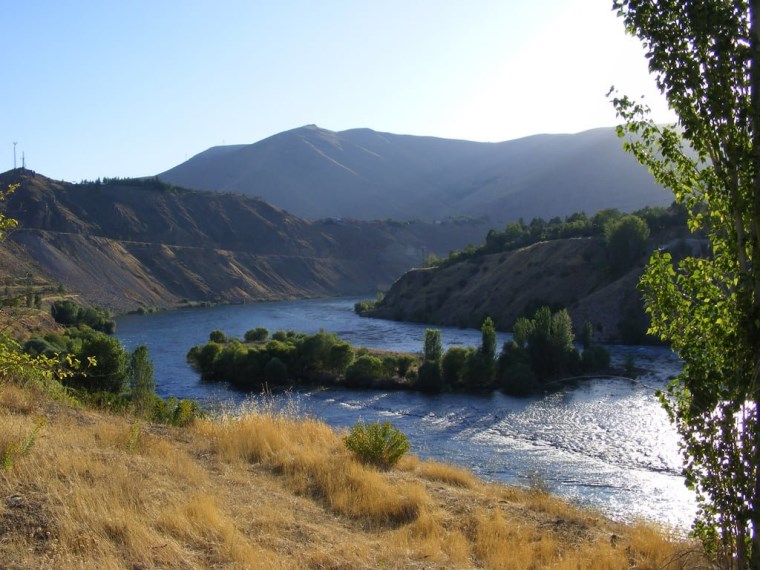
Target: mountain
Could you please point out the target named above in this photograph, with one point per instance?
(364, 174)
(141, 243)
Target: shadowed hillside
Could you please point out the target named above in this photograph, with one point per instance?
(364, 174)
(125, 244)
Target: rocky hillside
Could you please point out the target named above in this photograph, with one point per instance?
(568, 273)
(126, 244)
(364, 174)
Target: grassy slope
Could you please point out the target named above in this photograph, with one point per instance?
(271, 490)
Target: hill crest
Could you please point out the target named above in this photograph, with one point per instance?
(365, 174)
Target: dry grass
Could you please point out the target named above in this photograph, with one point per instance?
(435, 471)
(269, 490)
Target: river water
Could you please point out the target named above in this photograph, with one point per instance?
(603, 443)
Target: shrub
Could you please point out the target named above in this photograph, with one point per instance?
(595, 358)
(256, 335)
(626, 242)
(453, 364)
(110, 372)
(340, 357)
(514, 371)
(275, 371)
(404, 364)
(364, 370)
(69, 313)
(281, 336)
(377, 443)
(217, 336)
(363, 307)
(429, 377)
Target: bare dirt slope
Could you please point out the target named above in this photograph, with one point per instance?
(142, 243)
(568, 273)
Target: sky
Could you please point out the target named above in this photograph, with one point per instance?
(98, 88)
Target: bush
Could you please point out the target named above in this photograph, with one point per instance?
(429, 378)
(110, 371)
(379, 444)
(515, 375)
(256, 335)
(217, 336)
(595, 358)
(404, 365)
(453, 365)
(275, 371)
(340, 357)
(626, 242)
(69, 313)
(364, 370)
(363, 307)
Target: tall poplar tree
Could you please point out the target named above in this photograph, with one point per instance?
(705, 57)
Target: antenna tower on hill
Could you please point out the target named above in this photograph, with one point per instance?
(14, 154)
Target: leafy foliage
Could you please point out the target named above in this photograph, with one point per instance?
(285, 358)
(69, 313)
(543, 350)
(626, 242)
(258, 334)
(5, 222)
(705, 58)
(142, 384)
(432, 349)
(519, 234)
(380, 444)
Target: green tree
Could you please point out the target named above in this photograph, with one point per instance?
(453, 364)
(142, 383)
(514, 372)
(364, 370)
(275, 371)
(256, 335)
(588, 335)
(429, 373)
(65, 312)
(404, 364)
(217, 336)
(626, 242)
(547, 339)
(432, 349)
(110, 372)
(602, 218)
(705, 55)
(488, 339)
(340, 357)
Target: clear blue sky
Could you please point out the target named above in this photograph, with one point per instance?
(105, 88)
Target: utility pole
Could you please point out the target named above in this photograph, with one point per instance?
(14, 154)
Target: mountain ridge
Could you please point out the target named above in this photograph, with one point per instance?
(366, 174)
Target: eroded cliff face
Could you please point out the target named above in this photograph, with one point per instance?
(568, 273)
(128, 245)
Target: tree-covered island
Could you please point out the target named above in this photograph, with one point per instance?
(541, 354)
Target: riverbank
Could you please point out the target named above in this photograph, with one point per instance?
(271, 489)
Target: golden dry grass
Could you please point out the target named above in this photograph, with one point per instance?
(269, 490)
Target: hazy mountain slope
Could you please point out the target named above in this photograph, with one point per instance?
(132, 244)
(365, 174)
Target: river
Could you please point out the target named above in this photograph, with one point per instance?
(603, 443)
